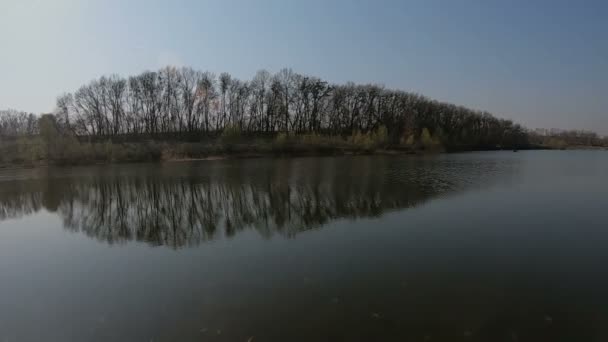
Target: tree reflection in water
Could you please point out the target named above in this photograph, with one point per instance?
(185, 204)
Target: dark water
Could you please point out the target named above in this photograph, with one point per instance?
(470, 247)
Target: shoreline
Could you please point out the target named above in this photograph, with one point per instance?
(281, 154)
(224, 156)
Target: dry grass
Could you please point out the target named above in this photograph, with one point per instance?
(67, 150)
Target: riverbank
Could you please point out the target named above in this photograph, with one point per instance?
(71, 150)
(35, 152)
(30, 154)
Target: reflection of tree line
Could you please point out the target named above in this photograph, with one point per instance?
(283, 198)
(184, 213)
(20, 198)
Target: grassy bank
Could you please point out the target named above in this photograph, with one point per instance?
(70, 150)
(66, 150)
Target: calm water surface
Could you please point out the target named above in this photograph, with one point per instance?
(468, 247)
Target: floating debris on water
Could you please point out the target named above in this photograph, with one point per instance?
(250, 339)
(548, 319)
(375, 315)
(203, 330)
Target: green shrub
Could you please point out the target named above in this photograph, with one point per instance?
(409, 142)
(426, 140)
(28, 150)
(230, 134)
(281, 139)
(360, 141)
(380, 137)
(556, 143)
(369, 141)
(430, 142)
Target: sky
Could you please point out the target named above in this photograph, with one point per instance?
(543, 63)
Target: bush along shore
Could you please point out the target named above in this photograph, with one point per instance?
(70, 150)
(52, 148)
(182, 113)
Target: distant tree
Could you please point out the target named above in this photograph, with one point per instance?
(49, 132)
(225, 80)
(425, 138)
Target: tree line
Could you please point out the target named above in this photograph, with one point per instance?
(15, 123)
(565, 138)
(187, 102)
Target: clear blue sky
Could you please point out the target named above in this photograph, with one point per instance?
(543, 63)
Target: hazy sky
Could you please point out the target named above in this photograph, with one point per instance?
(543, 63)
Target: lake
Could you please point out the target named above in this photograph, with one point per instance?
(491, 246)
